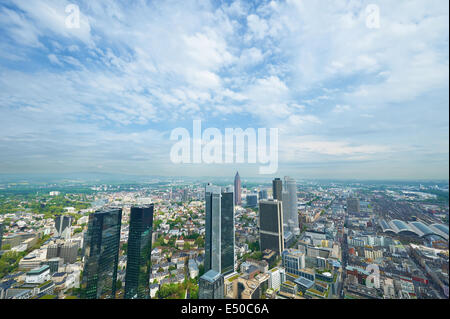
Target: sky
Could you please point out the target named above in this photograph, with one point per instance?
(349, 100)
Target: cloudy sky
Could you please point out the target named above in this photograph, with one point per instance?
(349, 100)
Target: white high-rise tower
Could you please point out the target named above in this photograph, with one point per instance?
(290, 210)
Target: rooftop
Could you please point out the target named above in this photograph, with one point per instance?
(38, 271)
(211, 276)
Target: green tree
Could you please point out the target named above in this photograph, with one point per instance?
(200, 242)
(201, 270)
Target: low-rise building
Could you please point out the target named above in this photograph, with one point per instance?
(38, 275)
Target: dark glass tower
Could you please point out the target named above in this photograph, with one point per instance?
(211, 286)
(277, 189)
(62, 223)
(237, 189)
(219, 230)
(271, 234)
(101, 254)
(212, 227)
(139, 253)
(1, 234)
(227, 233)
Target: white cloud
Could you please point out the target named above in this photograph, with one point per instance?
(257, 26)
(54, 59)
(341, 108)
(292, 65)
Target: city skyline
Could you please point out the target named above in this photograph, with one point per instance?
(202, 246)
(348, 103)
(193, 154)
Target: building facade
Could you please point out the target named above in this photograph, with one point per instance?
(62, 225)
(277, 189)
(211, 285)
(271, 235)
(139, 250)
(219, 230)
(252, 200)
(290, 211)
(293, 261)
(68, 251)
(227, 233)
(237, 189)
(2, 228)
(101, 254)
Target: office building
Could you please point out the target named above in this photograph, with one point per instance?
(269, 256)
(213, 205)
(250, 288)
(227, 233)
(252, 200)
(293, 261)
(33, 260)
(68, 251)
(263, 194)
(237, 189)
(1, 234)
(229, 189)
(62, 225)
(271, 226)
(54, 264)
(289, 238)
(277, 277)
(17, 239)
(277, 189)
(139, 253)
(219, 230)
(38, 275)
(101, 254)
(290, 211)
(211, 285)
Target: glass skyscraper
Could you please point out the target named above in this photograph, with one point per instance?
(101, 254)
(271, 233)
(237, 189)
(227, 233)
(139, 251)
(277, 189)
(1, 234)
(290, 210)
(219, 230)
(62, 224)
(211, 286)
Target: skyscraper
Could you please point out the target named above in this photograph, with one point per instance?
(277, 189)
(271, 233)
(263, 194)
(237, 189)
(62, 225)
(101, 254)
(252, 200)
(139, 251)
(227, 233)
(1, 234)
(68, 251)
(219, 230)
(211, 285)
(286, 210)
(212, 227)
(290, 210)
